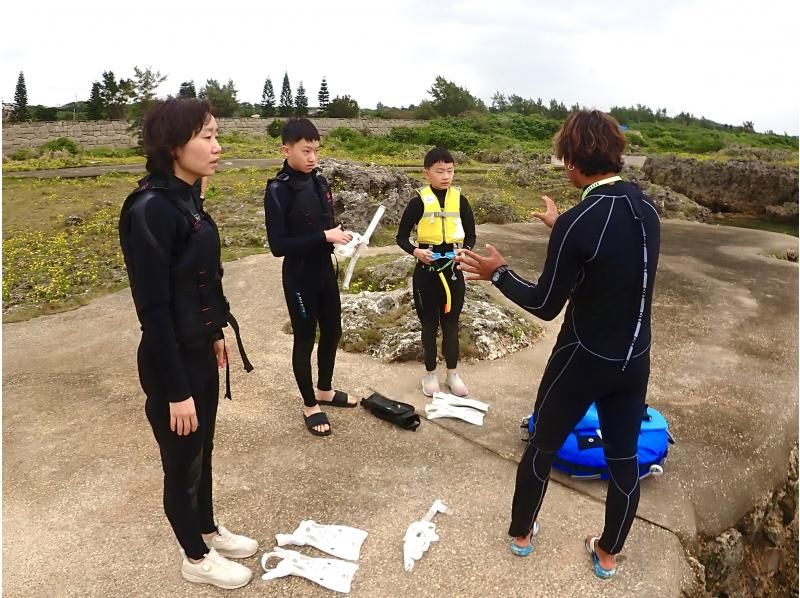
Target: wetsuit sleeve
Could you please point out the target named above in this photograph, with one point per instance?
(281, 243)
(468, 223)
(153, 228)
(546, 297)
(411, 215)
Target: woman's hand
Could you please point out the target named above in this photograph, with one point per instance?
(221, 353)
(183, 417)
(551, 213)
(424, 255)
(477, 267)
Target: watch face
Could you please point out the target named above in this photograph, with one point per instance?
(495, 276)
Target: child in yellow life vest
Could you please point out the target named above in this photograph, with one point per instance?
(445, 223)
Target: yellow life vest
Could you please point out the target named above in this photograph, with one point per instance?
(439, 225)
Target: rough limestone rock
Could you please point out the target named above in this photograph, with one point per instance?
(385, 325)
(669, 203)
(742, 186)
(357, 192)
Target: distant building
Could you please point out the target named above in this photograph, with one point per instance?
(7, 110)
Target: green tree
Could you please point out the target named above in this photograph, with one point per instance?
(449, 99)
(286, 107)
(44, 113)
(343, 107)
(323, 97)
(21, 112)
(301, 101)
(116, 95)
(499, 102)
(145, 83)
(268, 99)
(222, 97)
(94, 107)
(187, 90)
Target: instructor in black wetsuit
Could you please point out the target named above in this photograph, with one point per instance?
(601, 261)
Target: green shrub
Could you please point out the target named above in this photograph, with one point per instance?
(61, 144)
(275, 128)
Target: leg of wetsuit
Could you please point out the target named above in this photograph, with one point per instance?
(428, 302)
(620, 421)
(563, 398)
(330, 329)
(449, 321)
(301, 300)
(186, 460)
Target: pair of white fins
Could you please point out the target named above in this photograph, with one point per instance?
(449, 405)
(337, 540)
(345, 543)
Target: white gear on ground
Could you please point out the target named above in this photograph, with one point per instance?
(334, 574)
(338, 540)
(467, 414)
(446, 398)
(420, 534)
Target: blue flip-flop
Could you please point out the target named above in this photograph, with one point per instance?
(524, 550)
(600, 571)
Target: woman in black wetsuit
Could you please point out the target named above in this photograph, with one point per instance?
(172, 253)
(601, 261)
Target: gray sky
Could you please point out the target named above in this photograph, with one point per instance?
(728, 61)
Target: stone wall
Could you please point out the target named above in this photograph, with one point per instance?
(104, 133)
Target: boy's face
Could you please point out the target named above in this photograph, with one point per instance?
(440, 175)
(302, 155)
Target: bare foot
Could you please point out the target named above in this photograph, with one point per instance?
(522, 541)
(606, 560)
(309, 411)
(326, 396)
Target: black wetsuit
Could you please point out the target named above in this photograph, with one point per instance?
(298, 208)
(602, 259)
(429, 294)
(156, 233)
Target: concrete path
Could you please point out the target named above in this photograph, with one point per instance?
(82, 488)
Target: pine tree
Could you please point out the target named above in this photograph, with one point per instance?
(20, 113)
(187, 90)
(94, 107)
(268, 99)
(286, 107)
(323, 96)
(301, 101)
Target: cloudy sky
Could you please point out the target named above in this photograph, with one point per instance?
(728, 61)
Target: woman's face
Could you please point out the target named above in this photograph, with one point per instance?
(199, 157)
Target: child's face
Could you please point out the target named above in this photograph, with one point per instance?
(440, 175)
(303, 155)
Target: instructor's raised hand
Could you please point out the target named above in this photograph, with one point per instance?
(477, 267)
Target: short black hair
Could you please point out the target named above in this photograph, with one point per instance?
(296, 129)
(438, 154)
(169, 125)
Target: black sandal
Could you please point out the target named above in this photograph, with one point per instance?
(317, 419)
(340, 399)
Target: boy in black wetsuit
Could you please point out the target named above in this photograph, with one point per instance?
(444, 222)
(298, 208)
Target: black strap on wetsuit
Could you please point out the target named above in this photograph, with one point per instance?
(248, 367)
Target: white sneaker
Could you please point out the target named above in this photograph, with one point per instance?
(430, 384)
(232, 546)
(457, 386)
(216, 570)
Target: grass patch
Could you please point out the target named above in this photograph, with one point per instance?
(49, 266)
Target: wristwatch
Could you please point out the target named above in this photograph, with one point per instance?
(497, 274)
